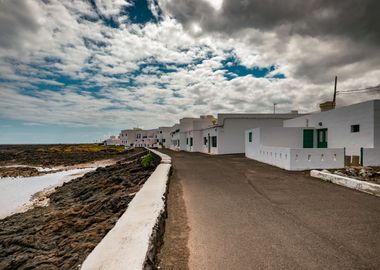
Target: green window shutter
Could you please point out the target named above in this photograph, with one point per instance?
(250, 136)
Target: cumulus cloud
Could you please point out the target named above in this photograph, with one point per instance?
(312, 39)
(83, 63)
(16, 24)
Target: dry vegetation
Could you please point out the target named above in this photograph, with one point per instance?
(54, 155)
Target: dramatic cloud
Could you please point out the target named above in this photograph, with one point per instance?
(120, 63)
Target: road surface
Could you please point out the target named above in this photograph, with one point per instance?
(229, 212)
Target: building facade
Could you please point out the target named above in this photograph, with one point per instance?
(113, 140)
(138, 137)
(323, 140)
(164, 137)
(227, 135)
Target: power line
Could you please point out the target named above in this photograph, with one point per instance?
(360, 90)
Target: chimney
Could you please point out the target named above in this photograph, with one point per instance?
(330, 105)
(326, 106)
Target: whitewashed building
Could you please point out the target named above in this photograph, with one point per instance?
(321, 140)
(164, 136)
(226, 136)
(190, 130)
(113, 140)
(175, 137)
(139, 137)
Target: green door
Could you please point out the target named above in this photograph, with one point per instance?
(308, 138)
(322, 138)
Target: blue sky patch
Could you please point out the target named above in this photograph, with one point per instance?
(139, 12)
(234, 69)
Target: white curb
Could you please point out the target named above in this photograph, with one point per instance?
(363, 186)
(127, 244)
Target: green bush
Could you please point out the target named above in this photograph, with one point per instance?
(147, 161)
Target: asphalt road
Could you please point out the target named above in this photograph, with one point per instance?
(229, 212)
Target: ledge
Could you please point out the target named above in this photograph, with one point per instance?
(130, 244)
(362, 186)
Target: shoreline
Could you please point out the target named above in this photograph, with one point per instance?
(79, 214)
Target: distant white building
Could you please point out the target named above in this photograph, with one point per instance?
(322, 140)
(226, 136)
(190, 130)
(139, 137)
(175, 137)
(164, 137)
(113, 140)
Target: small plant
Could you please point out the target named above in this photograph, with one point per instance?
(147, 161)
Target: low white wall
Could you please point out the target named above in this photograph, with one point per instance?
(316, 158)
(277, 156)
(299, 159)
(371, 156)
(127, 244)
(295, 159)
(363, 186)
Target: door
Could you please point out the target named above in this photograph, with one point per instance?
(209, 143)
(308, 138)
(322, 138)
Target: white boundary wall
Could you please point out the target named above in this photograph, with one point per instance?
(127, 244)
(294, 159)
(371, 156)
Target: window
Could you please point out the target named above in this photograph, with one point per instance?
(191, 141)
(138, 136)
(355, 128)
(163, 140)
(250, 136)
(213, 141)
(187, 141)
(205, 140)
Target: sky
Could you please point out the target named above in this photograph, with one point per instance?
(81, 70)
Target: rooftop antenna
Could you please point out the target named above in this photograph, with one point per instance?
(336, 82)
(274, 108)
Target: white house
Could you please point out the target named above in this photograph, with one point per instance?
(164, 136)
(227, 135)
(175, 137)
(139, 137)
(321, 140)
(190, 130)
(113, 140)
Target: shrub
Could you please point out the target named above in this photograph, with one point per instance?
(147, 161)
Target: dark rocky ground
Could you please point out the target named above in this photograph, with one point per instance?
(369, 174)
(19, 171)
(80, 213)
(56, 154)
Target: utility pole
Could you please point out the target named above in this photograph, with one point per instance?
(274, 108)
(336, 82)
